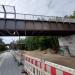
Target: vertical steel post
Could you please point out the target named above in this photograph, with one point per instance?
(25, 29)
(4, 15)
(19, 42)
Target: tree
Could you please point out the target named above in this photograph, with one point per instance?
(71, 16)
(1, 41)
(2, 45)
(40, 42)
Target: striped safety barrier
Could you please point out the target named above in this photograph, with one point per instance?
(35, 66)
(17, 56)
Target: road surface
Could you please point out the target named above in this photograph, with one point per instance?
(8, 66)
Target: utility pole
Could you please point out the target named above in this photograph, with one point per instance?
(19, 41)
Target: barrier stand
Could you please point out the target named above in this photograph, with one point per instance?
(35, 66)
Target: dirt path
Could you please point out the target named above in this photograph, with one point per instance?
(58, 59)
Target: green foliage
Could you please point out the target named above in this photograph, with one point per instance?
(2, 45)
(2, 48)
(39, 42)
(71, 16)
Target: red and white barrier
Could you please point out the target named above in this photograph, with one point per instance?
(17, 56)
(35, 66)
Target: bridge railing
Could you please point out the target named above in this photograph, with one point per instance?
(9, 12)
(36, 17)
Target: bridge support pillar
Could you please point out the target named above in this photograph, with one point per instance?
(67, 45)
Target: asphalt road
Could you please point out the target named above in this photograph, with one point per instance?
(8, 66)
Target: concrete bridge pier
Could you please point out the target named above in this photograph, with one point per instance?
(67, 44)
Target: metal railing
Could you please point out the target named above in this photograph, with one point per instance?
(13, 15)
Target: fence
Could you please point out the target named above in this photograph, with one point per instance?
(35, 66)
(9, 12)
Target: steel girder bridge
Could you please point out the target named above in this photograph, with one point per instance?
(16, 24)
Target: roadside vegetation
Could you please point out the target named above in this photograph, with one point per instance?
(39, 42)
(2, 46)
(71, 16)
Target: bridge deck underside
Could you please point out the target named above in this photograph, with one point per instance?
(12, 27)
(36, 33)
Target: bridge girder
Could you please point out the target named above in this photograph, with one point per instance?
(32, 27)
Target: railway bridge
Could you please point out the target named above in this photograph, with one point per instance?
(15, 24)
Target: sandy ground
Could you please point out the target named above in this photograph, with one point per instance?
(55, 58)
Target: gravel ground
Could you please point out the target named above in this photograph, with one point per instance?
(56, 58)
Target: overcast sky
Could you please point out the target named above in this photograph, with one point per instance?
(46, 7)
(41, 7)
(10, 39)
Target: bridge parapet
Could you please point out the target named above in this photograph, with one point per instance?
(28, 24)
(9, 12)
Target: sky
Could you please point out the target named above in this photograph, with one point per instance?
(46, 7)
(40, 7)
(8, 39)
